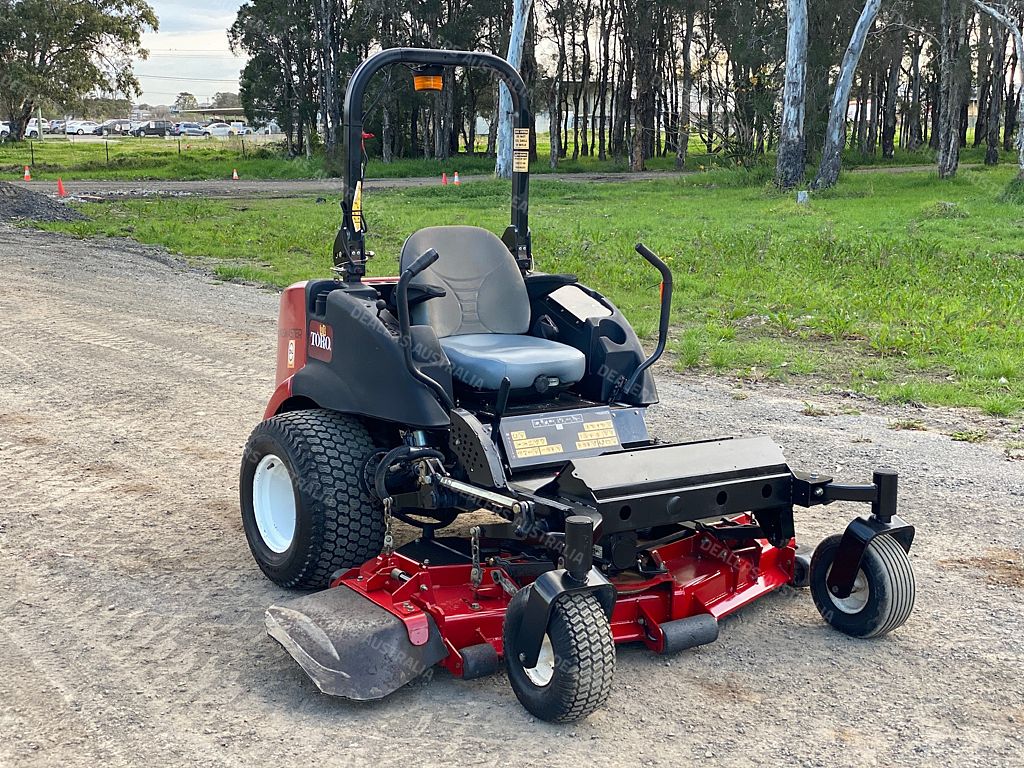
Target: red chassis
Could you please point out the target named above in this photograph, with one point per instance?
(698, 575)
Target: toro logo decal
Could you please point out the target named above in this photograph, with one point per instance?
(321, 341)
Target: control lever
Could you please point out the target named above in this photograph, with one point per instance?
(666, 315)
(424, 261)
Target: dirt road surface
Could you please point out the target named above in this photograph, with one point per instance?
(267, 189)
(131, 614)
(283, 188)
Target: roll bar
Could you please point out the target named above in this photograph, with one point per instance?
(349, 246)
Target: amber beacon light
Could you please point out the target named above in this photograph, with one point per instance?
(428, 77)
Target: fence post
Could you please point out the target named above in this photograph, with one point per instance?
(32, 150)
(106, 146)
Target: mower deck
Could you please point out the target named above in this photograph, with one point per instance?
(426, 588)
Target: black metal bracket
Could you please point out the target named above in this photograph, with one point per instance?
(810, 490)
(858, 536)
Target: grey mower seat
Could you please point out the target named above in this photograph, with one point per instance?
(483, 319)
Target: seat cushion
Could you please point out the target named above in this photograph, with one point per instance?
(482, 360)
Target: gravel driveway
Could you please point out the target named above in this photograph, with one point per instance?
(131, 614)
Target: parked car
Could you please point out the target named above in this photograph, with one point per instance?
(57, 126)
(5, 130)
(119, 127)
(34, 128)
(188, 129)
(219, 129)
(80, 127)
(155, 128)
(270, 129)
(241, 129)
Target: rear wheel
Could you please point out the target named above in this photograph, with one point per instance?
(574, 672)
(883, 592)
(305, 510)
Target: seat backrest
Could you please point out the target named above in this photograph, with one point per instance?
(485, 289)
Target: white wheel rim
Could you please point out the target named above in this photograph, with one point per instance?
(858, 597)
(273, 501)
(541, 674)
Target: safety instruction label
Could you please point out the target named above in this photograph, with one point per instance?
(540, 439)
(521, 141)
(521, 161)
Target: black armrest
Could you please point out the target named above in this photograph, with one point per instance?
(539, 284)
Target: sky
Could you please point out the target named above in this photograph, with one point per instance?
(190, 51)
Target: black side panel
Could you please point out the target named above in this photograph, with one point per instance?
(610, 344)
(366, 373)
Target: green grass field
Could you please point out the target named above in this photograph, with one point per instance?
(198, 159)
(897, 285)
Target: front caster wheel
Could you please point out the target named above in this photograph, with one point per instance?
(883, 592)
(574, 672)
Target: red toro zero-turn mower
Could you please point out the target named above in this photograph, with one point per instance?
(473, 382)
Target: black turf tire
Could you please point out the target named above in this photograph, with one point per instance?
(584, 650)
(339, 524)
(890, 582)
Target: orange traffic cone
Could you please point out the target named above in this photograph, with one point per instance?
(28, 174)
(457, 183)
(61, 192)
(234, 175)
(444, 179)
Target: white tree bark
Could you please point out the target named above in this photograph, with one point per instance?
(790, 162)
(516, 41)
(1003, 16)
(831, 155)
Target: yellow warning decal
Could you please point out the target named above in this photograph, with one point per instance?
(597, 434)
(541, 450)
(517, 435)
(521, 161)
(521, 139)
(357, 207)
(604, 442)
(534, 443)
(595, 425)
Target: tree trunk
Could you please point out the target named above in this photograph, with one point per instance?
(1009, 110)
(387, 136)
(790, 162)
(686, 96)
(861, 116)
(1013, 27)
(986, 57)
(516, 41)
(876, 103)
(995, 104)
(892, 98)
(952, 27)
(914, 118)
(831, 156)
(554, 113)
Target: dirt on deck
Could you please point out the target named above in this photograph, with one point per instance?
(131, 613)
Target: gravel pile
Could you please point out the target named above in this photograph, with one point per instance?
(17, 203)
